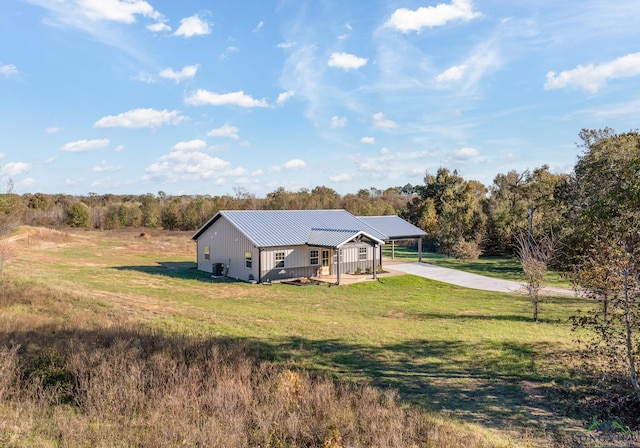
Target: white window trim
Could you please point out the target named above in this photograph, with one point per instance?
(284, 256)
(314, 257)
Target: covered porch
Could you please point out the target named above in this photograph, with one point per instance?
(336, 244)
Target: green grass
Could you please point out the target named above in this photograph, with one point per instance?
(470, 354)
(503, 267)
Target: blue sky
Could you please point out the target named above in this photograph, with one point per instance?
(195, 97)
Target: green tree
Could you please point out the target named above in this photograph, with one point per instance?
(150, 208)
(77, 215)
(450, 210)
(169, 215)
(607, 268)
(515, 197)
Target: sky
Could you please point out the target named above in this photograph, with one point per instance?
(222, 97)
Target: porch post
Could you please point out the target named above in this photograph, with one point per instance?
(420, 249)
(375, 269)
(393, 249)
(338, 266)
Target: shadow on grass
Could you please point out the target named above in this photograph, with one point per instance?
(500, 389)
(497, 317)
(186, 270)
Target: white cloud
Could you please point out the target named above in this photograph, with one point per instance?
(225, 131)
(484, 59)
(119, 148)
(284, 96)
(191, 166)
(346, 61)
(377, 164)
(85, 145)
(258, 26)
(140, 118)
(2, 155)
(466, 153)
(116, 10)
(379, 122)
(187, 72)
(202, 97)
(52, 130)
(290, 165)
(342, 177)
(14, 169)
(294, 164)
(144, 77)
(591, 78)
(338, 122)
(285, 45)
(75, 180)
(368, 140)
(193, 26)
(230, 49)
(104, 168)
(347, 34)
(29, 182)
(454, 73)
(158, 27)
(8, 70)
(406, 20)
(191, 145)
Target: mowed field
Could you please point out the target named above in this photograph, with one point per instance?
(473, 361)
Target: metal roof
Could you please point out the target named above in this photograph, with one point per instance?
(336, 238)
(393, 227)
(272, 228)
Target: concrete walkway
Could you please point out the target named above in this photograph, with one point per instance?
(468, 280)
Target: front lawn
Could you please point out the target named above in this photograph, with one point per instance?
(472, 356)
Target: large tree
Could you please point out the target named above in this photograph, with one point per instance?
(607, 202)
(518, 200)
(449, 209)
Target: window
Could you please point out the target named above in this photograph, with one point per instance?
(279, 259)
(248, 259)
(207, 253)
(362, 253)
(313, 257)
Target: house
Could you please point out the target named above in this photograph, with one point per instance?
(273, 245)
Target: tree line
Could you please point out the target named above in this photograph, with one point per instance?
(463, 218)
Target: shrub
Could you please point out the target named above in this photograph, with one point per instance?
(466, 250)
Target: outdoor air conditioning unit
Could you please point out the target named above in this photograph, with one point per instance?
(218, 269)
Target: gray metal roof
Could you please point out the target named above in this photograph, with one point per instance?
(393, 227)
(272, 228)
(336, 238)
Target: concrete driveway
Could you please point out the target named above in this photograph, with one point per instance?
(468, 280)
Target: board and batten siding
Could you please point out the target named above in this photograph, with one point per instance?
(351, 258)
(227, 245)
(296, 263)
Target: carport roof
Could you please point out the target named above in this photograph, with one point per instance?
(393, 227)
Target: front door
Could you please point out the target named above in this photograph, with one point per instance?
(326, 265)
